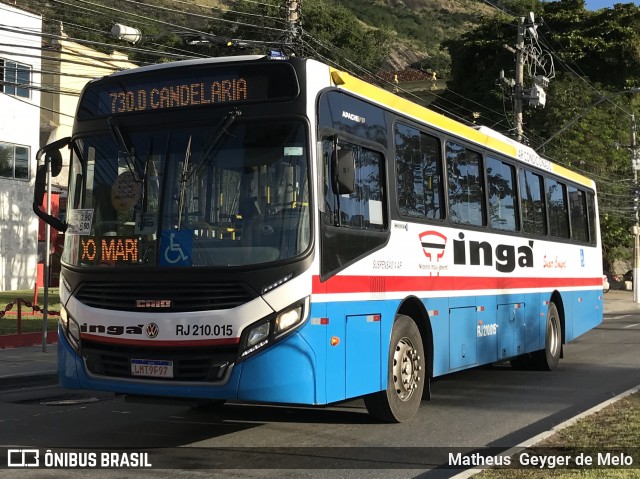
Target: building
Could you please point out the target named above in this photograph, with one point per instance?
(20, 67)
(41, 78)
(67, 67)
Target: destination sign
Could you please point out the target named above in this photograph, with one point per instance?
(108, 250)
(187, 86)
(181, 95)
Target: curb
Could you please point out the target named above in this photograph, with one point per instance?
(46, 378)
(10, 341)
(546, 434)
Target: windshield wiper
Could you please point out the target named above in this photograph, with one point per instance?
(124, 145)
(214, 144)
(184, 178)
(208, 154)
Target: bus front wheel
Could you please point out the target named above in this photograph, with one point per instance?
(405, 377)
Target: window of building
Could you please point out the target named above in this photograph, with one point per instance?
(14, 161)
(16, 78)
(532, 203)
(418, 174)
(502, 195)
(466, 185)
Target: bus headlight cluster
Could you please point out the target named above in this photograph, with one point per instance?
(71, 329)
(267, 331)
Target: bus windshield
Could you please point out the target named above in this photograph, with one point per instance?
(231, 193)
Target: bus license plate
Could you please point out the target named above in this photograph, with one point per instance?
(153, 368)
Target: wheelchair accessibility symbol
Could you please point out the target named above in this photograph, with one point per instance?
(176, 248)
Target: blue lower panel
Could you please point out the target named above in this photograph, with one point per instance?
(282, 373)
(363, 355)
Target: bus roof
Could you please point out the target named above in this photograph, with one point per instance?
(482, 135)
(186, 63)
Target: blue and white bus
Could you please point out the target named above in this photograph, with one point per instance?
(253, 229)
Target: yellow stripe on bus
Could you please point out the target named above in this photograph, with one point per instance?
(573, 176)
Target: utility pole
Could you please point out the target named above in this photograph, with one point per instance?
(294, 25)
(519, 81)
(636, 227)
(536, 95)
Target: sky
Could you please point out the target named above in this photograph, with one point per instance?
(598, 4)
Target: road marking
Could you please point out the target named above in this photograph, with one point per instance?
(631, 326)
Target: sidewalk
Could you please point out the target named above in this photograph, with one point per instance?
(619, 302)
(30, 363)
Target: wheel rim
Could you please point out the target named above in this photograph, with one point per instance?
(553, 335)
(406, 369)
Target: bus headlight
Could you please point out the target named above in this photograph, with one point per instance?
(267, 331)
(290, 317)
(71, 328)
(256, 337)
(258, 334)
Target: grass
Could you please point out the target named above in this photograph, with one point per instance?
(614, 427)
(31, 321)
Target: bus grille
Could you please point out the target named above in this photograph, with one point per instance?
(193, 364)
(183, 297)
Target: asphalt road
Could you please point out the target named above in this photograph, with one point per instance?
(493, 406)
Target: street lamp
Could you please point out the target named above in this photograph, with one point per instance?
(128, 34)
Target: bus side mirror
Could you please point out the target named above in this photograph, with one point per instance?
(344, 172)
(54, 157)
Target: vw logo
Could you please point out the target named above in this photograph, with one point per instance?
(152, 330)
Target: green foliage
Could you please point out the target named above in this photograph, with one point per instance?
(329, 31)
(604, 48)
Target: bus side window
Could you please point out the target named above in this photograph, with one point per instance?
(578, 211)
(364, 207)
(418, 173)
(502, 195)
(466, 185)
(593, 231)
(558, 208)
(532, 203)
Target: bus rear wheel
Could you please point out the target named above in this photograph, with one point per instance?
(405, 379)
(546, 359)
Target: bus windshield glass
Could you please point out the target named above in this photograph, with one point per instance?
(228, 193)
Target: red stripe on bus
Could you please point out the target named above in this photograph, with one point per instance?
(363, 284)
(154, 342)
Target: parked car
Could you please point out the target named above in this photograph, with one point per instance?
(628, 276)
(605, 283)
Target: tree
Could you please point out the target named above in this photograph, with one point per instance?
(330, 32)
(604, 47)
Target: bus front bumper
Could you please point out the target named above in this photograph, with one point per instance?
(283, 373)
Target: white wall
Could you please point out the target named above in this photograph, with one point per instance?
(19, 124)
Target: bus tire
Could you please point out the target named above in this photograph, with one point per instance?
(405, 377)
(547, 359)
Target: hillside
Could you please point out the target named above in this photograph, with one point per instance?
(417, 27)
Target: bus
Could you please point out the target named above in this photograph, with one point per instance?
(275, 230)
